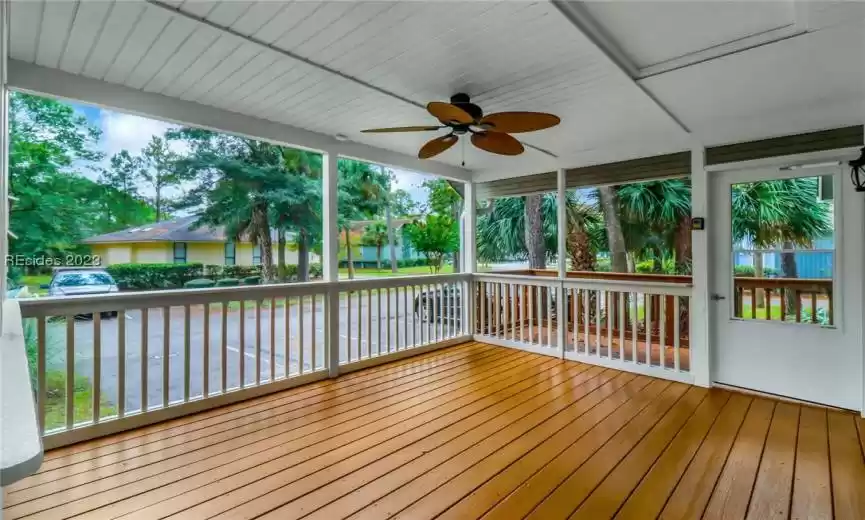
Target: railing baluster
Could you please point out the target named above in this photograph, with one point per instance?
(286, 340)
(597, 294)
(70, 372)
(435, 313)
(530, 293)
(242, 363)
(676, 334)
(313, 333)
(768, 292)
(587, 334)
(205, 362)
(782, 292)
(223, 348)
(166, 339)
(753, 303)
(369, 323)
(301, 303)
(378, 319)
(662, 346)
(608, 304)
(440, 295)
(387, 321)
(121, 363)
(483, 305)
(512, 297)
(257, 342)
(145, 359)
(272, 339)
(621, 301)
(96, 394)
(635, 317)
(539, 301)
(549, 292)
(187, 348)
(414, 316)
(41, 367)
(813, 307)
(359, 323)
(647, 301)
(396, 316)
(575, 318)
(348, 325)
(405, 316)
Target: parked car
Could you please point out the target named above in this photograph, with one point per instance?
(79, 282)
(443, 304)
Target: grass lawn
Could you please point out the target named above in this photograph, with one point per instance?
(761, 312)
(33, 283)
(372, 272)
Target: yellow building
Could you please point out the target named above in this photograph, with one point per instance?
(178, 241)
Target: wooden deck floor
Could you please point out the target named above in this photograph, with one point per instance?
(467, 432)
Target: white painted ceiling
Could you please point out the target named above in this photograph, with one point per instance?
(714, 67)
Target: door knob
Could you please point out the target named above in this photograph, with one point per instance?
(717, 297)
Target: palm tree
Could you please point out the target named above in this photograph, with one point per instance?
(656, 220)
(502, 230)
(615, 237)
(376, 235)
(784, 212)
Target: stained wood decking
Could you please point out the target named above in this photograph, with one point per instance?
(467, 432)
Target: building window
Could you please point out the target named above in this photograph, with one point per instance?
(230, 253)
(256, 255)
(180, 252)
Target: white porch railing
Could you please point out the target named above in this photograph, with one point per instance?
(635, 326)
(113, 362)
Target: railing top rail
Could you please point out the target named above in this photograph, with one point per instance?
(400, 281)
(673, 289)
(793, 283)
(71, 305)
(631, 277)
(515, 278)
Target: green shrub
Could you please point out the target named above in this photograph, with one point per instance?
(199, 283)
(154, 276)
(748, 271)
(252, 280)
(227, 282)
(316, 271)
(240, 271)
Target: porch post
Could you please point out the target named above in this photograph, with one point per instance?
(469, 251)
(700, 312)
(330, 260)
(562, 229)
(4, 146)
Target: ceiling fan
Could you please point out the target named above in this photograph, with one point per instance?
(490, 132)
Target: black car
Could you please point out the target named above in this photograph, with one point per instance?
(443, 304)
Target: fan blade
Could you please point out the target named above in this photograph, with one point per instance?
(401, 129)
(499, 143)
(437, 146)
(516, 122)
(447, 113)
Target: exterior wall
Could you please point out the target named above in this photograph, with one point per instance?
(206, 252)
(243, 254)
(113, 253)
(152, 253)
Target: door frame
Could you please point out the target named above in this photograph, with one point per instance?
(849, 206)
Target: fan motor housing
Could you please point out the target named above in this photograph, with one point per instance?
(464, 102)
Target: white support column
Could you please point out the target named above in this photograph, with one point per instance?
(700, 313)
(4, 146)
(469, 251)
(562, 219)
(330, 260)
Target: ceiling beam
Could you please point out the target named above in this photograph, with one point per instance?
(579, 17)
(54, 82)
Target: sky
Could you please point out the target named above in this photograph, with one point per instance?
(122, 131)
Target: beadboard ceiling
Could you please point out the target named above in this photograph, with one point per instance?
(628, 79)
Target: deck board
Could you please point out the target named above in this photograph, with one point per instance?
(468, 432)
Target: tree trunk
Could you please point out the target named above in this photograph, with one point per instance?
(378, 256)
(280, 255)
(261, 227)
(759, 296)
(683, 246)
(348, 257)
(615, 237)
(158, 204)
(580, 250)
(390, 240)
(534, 233)
(303, 258)
(457, 215)
(789, 270)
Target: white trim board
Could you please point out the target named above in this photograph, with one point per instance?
(52, 82)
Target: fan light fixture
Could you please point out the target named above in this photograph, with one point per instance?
(857, 172)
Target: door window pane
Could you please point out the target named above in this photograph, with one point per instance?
(783, 251)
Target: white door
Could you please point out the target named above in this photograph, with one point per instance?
(772, 333)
